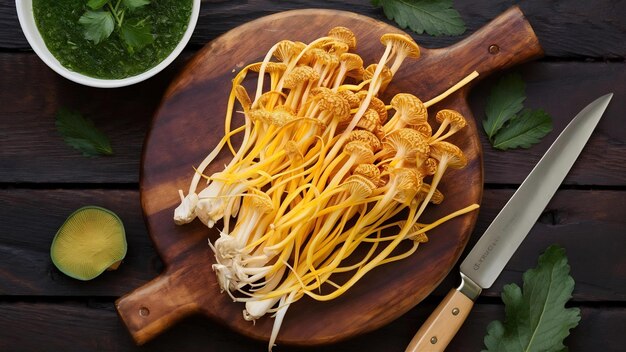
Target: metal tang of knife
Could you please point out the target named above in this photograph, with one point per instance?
(496, 246)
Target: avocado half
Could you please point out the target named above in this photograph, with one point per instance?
(90, 241)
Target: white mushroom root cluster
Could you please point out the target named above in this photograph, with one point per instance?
(325, 168)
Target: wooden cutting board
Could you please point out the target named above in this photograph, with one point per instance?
(190, 122)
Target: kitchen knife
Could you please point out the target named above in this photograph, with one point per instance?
(493, 250)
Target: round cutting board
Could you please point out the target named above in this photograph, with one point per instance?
(189, 124)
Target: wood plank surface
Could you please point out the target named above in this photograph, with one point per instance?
(94, 326)
(594, 240)
(31, 218)
(570, 29)
(42, 181)
(33, 152)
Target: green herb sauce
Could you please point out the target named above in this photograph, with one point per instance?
(57, 21)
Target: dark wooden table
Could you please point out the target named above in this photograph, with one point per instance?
(42, 181)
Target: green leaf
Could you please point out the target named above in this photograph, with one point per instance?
(133, 4)
(136, 34)
(435, 17)
(506, 100)
(524, 130)
(81, 134)
(536, 317)
(98, 25)
(96, 4)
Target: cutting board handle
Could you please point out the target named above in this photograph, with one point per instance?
(157, 305)
(506, 41)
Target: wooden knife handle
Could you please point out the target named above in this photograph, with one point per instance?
(157, 305)
(441, 326)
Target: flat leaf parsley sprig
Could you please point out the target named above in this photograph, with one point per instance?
(81, 134)
(435, 17)
(508, 124)
(103, 17)
(536, 317)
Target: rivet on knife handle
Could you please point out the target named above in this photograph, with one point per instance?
(441, 326)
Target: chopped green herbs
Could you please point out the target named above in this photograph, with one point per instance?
(81, 134)
(90, 38)
(536, 317)
(435, 17)
(508, 124)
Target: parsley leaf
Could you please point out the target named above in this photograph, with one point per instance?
(435, 17)
(508, 124)
(98, 25)
(133, 4)
(96, 4)
(81, 134)
(536, 317)
(136, 34)
(524, 130)
(504, 102)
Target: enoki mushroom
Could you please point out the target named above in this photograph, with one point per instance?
(324, 173)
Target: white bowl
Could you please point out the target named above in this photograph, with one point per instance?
(27, 22)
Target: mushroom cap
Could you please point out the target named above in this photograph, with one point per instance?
(369, 171)
(298, 47)
(380, 108)
(424, 128)
(259, 115)
(299, 75)
(284, 50)
(370, 121)
(413, 234)
(385, 75)
(351, 97)
(281, 115)
(437, 197)
(91, 240)
(359, 187)
(367, 138)
(375, 104)
(351, 61)
(360, 150)
(409, 140)
(454, 118)
(402, 42)
(270, 67)
(261, 201)
(336, 47)
(455, 157)
(321, 56)
(411, 108)
(337, 105)
(242, 96)
(429, 166)
(408, 183)
(343, 34)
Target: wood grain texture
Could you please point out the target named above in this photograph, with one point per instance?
(199, 92)
(32, 151)
(443, 323)
(571, 29)
(26, 269)
(31, 218)
(94, 326)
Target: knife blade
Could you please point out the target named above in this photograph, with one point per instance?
(496, 246)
